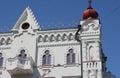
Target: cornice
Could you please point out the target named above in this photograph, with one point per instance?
(5, 48)
(56, 45)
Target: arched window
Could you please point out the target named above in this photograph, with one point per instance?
(71, 57)
(22, 56)
(1, 60)
(46, 58)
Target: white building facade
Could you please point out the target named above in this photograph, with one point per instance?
(30, 52)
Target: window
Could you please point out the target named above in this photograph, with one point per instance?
(25, 26)
(1, 60)
(71, 57)
(22, 54)
(46, 58)
(22, 57)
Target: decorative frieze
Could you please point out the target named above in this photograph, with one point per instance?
(5, 41)
(56, 45)
(56, 37)
(5, 48)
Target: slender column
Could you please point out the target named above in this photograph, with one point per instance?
(97, 50)
(93, 74)
(99, 75)
(85, 74)
(84, 50)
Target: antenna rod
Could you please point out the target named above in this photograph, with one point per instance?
(89, 1)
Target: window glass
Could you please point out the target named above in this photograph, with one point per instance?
(71, 57)
(1, 60)
(68, 59)
(49, 57)
(46, 58)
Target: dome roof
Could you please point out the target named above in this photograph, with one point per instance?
(90, 13)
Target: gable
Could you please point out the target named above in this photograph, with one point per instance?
(26, 17)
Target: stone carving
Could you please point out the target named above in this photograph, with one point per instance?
(40, 39)
(5, 41)
(46, 38)
(58, 37)
(90, 26)
(64, 37)
(52, 38)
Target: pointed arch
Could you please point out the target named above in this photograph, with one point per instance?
(2, 41)
(46, 58)
(71, 36)
(58, 38)
(46, 38)
(40, 39)
(64, 37)
(52, 38)
(71, 57)
(8, 41)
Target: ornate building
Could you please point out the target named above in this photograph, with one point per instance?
(30, 52)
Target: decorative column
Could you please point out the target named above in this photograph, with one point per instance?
(98, 50)
(85, 74)
(99, 75)
(84, 51)
(93, 74)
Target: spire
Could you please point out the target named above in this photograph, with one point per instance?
(89, 1)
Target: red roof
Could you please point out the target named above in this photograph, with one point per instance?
(90, 13)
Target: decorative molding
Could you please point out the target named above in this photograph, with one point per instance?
(56, 37)
(90, 25)
(5, 41)
(55, 45)
(5, 48)
(90, 34)
(33, 17)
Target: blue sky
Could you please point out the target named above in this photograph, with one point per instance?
(53, 13)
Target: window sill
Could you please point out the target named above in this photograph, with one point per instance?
(46, 66)
(71, 65)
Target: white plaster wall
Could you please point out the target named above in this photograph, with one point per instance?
(59, 72)
(25, 41)
(59, 53)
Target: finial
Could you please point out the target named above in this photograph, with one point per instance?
(89, 1)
